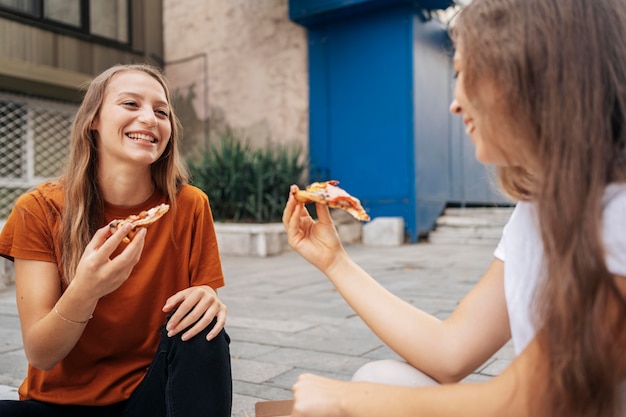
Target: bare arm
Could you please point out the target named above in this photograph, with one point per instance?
(51, 321)
(446, 350)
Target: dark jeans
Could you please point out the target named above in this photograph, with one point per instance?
(189, 379)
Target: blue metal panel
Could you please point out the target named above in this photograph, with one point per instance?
(307, 12)
(432, 52)
(361, 117)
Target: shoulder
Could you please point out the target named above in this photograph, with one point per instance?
(192, 199)
(524, 216)
(48, 195)
(189, 194)
(520, 230)
(614, 227)
(614, 201)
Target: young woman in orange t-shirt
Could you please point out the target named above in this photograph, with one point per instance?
(113, 328)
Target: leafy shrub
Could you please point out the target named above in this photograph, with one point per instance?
(246, 184)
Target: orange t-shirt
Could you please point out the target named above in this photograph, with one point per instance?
(118, 344)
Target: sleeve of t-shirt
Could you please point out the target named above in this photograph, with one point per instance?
(614, 230)
(205, 264)
(27, 232)
(500, 251)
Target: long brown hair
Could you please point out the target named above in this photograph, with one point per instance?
(560, 68)
(83, 210)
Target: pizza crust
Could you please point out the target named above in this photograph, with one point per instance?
(143, 219)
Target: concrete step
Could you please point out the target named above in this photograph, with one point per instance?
(480, 225)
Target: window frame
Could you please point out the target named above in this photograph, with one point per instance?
(82, 32)
(28, 155)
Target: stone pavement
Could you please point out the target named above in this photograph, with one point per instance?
(285, 318)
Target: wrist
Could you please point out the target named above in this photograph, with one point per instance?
(340, 262)
(71, 321)
(75, 306)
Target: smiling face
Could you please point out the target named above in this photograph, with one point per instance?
(485, 119)
(133, 124)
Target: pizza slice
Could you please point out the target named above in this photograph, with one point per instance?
(143, 219)
(328, 193)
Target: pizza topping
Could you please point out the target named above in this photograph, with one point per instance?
(328, 193)
(143, 219)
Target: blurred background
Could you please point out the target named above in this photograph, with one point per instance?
(352, 90)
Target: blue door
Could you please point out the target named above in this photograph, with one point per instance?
(380, 86)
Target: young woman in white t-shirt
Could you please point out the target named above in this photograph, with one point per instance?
(541, 87)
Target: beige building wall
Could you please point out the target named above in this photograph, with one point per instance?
(237, 63)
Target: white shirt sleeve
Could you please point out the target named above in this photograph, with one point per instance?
(614, 228)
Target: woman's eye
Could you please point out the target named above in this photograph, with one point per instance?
(130, 103)
(163, 113)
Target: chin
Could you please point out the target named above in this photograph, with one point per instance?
(485, 159)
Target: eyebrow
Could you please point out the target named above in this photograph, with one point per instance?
(130, 93)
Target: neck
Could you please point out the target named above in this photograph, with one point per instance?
(125, 190)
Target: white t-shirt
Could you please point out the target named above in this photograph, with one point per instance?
(521, 250)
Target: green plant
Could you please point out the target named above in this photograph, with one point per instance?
(246, 184)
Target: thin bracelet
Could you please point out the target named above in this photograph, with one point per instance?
(71, 321)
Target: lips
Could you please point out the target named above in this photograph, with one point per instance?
(142, 137)
(469, 125)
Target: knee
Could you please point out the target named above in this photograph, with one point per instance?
(198, 346)
(392, 372)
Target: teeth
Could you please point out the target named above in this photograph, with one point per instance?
(140, 136)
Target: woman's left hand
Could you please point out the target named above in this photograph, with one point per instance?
(196, 306)
(317, 396)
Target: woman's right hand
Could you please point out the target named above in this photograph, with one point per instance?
(317, 241)
(97, 273)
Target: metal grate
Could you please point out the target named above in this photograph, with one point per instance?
(34, 143)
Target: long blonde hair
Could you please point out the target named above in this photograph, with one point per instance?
(83, 209)
(560, 68)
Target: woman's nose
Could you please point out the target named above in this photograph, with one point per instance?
(148, 117)
(455, 107)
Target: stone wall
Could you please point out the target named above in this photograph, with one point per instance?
(237, 63)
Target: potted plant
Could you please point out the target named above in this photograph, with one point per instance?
(247, 189)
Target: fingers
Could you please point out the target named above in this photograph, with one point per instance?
(219, 324)
(291, 205)
(131, 253)
(323, 213)
(103, 234)
(107, 239)
(197, 307)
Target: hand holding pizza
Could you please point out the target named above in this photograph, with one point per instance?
(316, 240)
(98, 274)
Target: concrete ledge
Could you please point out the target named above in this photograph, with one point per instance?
(350, 230)
(7, 273)
(7, 270)
(262, 239)
(384, 231)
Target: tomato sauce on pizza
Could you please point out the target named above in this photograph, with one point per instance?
(329, 193)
